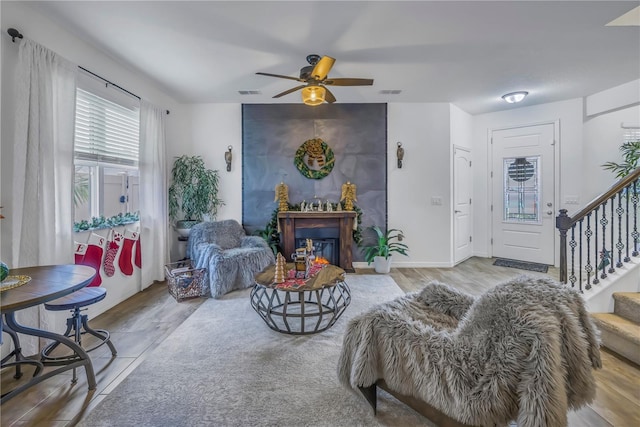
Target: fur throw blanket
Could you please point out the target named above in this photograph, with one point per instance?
(230, 256)
(525, 351)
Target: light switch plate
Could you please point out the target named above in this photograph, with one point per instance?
(571, 200)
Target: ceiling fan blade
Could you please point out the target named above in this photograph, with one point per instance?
(348, 82)
(322, 68)
(328, 96)
(287, 92)
(281, 76)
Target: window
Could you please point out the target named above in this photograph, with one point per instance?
(522, 189)
(106, 155)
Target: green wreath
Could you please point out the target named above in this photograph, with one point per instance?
(311, 150)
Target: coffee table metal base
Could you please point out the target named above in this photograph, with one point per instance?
(300, 312)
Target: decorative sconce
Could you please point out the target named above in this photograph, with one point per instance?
(227, 158)
(400, 154)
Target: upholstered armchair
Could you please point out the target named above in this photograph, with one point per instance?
(525, 350)
(230, 256)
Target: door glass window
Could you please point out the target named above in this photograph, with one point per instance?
(522, 189)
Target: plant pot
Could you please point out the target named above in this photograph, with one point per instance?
(382, 264)
(183, 227)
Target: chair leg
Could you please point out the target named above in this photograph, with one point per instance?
(99, 333)
(371, 394)
(52, 346)
(17, 352)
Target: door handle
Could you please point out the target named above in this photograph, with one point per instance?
(457, 211)
(549, 212)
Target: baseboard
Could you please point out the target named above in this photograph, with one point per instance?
(408, 265)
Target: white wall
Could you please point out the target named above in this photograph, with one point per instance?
(207, 130)
(602, 139)
(569, 115)
(36, 26)
(424, 132)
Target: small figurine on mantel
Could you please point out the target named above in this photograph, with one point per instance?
(329, 207)
(280, 275)
(282, 196)
(303, 206)
(348, 195)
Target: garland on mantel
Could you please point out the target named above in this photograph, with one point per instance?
(271, 235)
(97, 223)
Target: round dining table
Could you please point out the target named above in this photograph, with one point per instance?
(47, 283)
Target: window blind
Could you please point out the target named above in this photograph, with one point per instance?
(631, 135)
(105, 131)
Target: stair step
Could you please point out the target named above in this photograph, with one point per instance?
(627, 304)
(619, 334)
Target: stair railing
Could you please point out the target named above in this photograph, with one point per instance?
(601, 237)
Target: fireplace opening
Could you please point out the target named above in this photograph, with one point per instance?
(326, 242)
(326, 248)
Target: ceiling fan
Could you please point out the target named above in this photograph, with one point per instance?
(315, 78)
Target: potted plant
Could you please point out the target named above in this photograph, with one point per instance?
(381, 253)
(193, 192)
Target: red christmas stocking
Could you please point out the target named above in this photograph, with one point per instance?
(138, 259)
(93, 256)
(113, 244)
(124, 262)
(81, 250)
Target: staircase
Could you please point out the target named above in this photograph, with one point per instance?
(600, 257)
(620, 330)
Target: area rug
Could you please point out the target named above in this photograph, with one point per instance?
(522, 265)
(224, 367)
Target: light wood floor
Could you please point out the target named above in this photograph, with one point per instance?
(139, 324)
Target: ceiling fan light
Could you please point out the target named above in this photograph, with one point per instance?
(313, 95)
(514, 97)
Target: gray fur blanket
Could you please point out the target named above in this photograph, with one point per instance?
(525, 351)
(230, 256)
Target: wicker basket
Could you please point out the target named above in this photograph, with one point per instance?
(184, 281)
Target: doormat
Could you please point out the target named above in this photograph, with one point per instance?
(523, 265)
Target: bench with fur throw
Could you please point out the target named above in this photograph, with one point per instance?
(525, 351)
(230, 256)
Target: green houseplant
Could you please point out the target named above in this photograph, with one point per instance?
(630, 154)
(382, 251)
(193, 192)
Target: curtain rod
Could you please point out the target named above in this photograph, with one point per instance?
(108, 82)
(13, 33)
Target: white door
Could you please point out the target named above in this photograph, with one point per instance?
(523, 211)
(462, 188)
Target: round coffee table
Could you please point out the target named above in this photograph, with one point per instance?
(301, 306)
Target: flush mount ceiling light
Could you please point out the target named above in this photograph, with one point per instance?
(313, 95)
(514, 97)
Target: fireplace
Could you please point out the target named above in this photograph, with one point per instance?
(333, 228)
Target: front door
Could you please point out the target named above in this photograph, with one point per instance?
(523, 210)
(462, 186)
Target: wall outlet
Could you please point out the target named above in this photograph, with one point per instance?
(436, 201)
(571, 200)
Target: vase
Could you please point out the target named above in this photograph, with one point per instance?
(183, 227)
(382, 264)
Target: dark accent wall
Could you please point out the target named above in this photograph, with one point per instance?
(271, 134)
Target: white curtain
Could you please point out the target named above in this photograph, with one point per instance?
(154, 221)
(43, 158)
(42, 193)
